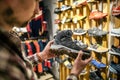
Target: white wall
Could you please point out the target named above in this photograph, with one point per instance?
(50, 4)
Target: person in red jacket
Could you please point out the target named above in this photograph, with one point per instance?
(13, 64)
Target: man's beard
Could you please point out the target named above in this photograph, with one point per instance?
(15, 22)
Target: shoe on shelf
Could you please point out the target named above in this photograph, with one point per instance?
(96, 32)
(95, 14)
(79, 31)
(97, 64)
(63, 20)
(115, 32)
(95, 75)
(60, 0)
(68, 64)
(79, 3)
(112, 78)
(84, 72)
(68, 20)
(66, 7)
(116, 14)
(81, 44)
(63, 44)
(116, 9)
(57, 11)
(57, 21)
(91, 1)
(114, 67)
(97, 48)
(77, 18)
(114, 50)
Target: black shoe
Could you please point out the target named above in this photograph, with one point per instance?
(95, 75)
(64, 45)
(60, 0)
(115, 68)
(63, 34)
(115, 49)
(57, 10)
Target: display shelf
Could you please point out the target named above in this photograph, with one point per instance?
(104, 6)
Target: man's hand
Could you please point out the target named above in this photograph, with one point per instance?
(79, 64)
(46, 54)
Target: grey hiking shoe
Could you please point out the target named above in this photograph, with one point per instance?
(114, 50)
(96, 32)
(97, 48)
(64, 45)
(63, 34)
(115, 32)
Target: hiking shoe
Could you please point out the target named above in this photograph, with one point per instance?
(112, 79)
(61, 50)
(115, 32)
(68, 20)
(116, 9)
(68, 64)
(97, 15)
(63, 34)
(64, 44)
(97, 64)
(77, 18)
(116, 13)
(91, 1)
(79, 3)
(57, 11)
(96, 32)
(84, 72)
(60, 0)
(66, 7)
(81, 44)
(97, 48)
(114, 50)
(95, 75)
(79, 31)
(114, 67)
(57, 21)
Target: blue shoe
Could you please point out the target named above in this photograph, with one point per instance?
(98, 64)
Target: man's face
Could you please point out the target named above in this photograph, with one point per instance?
(24, 11)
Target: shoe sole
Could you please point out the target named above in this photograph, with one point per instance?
(114, 53)
(114, 34)
(101, 51)
(61, 50)
(75, 33)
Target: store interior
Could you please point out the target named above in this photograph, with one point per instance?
(94, 23)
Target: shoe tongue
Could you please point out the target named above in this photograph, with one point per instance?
(69, 33)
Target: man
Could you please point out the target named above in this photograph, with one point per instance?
(13, 65)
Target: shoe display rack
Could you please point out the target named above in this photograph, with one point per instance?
(97, 18)
(114, 56)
